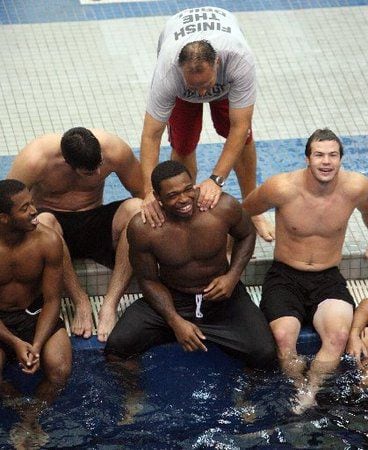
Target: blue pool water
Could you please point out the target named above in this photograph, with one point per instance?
(197, 401)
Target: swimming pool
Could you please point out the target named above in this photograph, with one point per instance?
(197, 401)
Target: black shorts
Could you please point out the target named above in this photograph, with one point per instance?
(88, 234)
(236, 325)
(291, 292)
(22, 323)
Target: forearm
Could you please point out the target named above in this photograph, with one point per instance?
(360, 320)
(6, 336)
(160, 299)
(232, 150)
(241, 254)
(46, 322)
(150, 150)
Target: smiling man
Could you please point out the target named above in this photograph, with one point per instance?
(66, 175)
(203, 57)
(192, 294)
(313, 206)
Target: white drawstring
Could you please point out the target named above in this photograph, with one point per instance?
(33, 313)
(199, 297)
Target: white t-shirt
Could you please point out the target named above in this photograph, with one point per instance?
(236, 71)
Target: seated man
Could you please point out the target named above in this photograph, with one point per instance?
(191, 293)
(358, 338)
(31, 262)
(66, 175)
(313, 206)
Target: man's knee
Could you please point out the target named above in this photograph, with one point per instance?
(58, 374)
(124, 213)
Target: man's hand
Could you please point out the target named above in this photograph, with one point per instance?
(209, 194)
(220, 288)
(356, 348)
(28, 356)
(264, 228)
(189, 335)
(151, 211)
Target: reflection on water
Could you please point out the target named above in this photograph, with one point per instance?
(198, 401)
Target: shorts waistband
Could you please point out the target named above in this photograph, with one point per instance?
(280, 264)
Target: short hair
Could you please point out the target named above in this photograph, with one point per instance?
(9, 188)
(165, 170)
(323, 134)
(81, 149)
(196, 53)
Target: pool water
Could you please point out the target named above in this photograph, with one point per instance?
(196, 401)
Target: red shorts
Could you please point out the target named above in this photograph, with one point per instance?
(185, 124)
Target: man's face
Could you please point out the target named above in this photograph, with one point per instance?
(177, 196)
(324, 161)
(23, 215)
(203, 80)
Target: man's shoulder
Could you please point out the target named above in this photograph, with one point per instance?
(354, 183)
(114, 149)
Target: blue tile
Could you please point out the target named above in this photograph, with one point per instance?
(44, 11)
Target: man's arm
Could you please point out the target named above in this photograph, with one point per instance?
(125, 165)
(264, 197)
(145, 267)
(26, 355)
(355, 344)
(52, 282)
(28, 165)
(150, 151)
(240, 123)
(243, 232)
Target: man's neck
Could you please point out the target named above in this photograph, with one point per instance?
(12, 238)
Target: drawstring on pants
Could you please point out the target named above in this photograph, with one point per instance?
(199, 298)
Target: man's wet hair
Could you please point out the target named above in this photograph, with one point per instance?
(166, 170)
(196, 53)
(81, 149)
(9, 188)
(320, 135)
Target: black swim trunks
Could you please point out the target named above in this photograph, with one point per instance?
(291, 292)
(236, 325)
(88, 234)
(22, 323)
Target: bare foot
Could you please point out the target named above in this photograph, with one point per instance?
(106, 321)
(264, 228)
(82, 322)
(28, 435)
(305, 399)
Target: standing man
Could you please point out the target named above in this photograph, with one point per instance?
(313, 206)
(191, 293)
(66, 175)
(202, 58)
(31, 265)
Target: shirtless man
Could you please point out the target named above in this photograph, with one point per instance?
(313, 206)
(191, 293)
(31, 263)
(66, 175)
